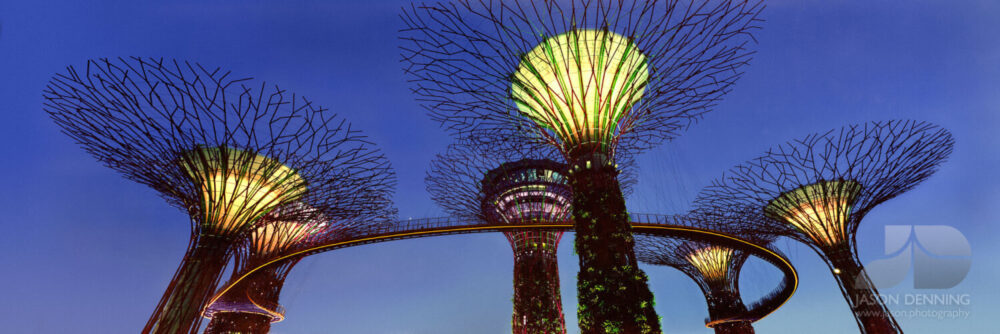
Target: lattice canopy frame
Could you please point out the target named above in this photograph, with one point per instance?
(227, 150)
(584, 75)
(817, 190)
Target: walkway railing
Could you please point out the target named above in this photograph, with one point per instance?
(645, 224)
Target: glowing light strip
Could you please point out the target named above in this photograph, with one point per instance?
(713, 323)
(275, 316)
(637, 227)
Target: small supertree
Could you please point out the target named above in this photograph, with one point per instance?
(252, 305)
(595, 79)
(817, 190)
(714, 267)
(224, 149)
(513, 186)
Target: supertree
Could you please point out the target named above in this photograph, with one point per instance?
(513, 186)
(596, 79)
(252, 305)
(226, 150)
(817, 189)
(714, 267)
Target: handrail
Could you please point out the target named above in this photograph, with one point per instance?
(645, 224)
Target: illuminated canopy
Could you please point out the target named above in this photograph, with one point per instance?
(580, 84)
(277, 236)
(712, 262)
(238, 187)
(820, 210)
(527, 191)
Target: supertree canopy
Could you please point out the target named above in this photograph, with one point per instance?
(714, 267)
(579, 85)
(513, 186)
(239, 187)
(821, 211)
(818, 189)
(595, 79)
(712, 262)
(225, 150)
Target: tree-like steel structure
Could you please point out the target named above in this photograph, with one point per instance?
(596, 79)
(253, 304)
(817, 190)
(249, 301)
(715, 268)
(513, 186)
(226, 150)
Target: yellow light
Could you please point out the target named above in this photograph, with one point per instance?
(238, 187)
(820, 210)
(580, 84)
(712, 262)
(279, 235)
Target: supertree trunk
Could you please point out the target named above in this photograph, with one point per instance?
(537, 301)
(859, 291)
(612, 290)
(261, 289)
(180, 308)
(735, 327)
(239, 323)
(725, 304)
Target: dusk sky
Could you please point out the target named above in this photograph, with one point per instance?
(84, 250)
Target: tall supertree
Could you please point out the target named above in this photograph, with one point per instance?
(817, 189)
(513, 186)
(598, 80)
(224, 149)
(714, 267)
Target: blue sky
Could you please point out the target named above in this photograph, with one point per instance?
(85, 250)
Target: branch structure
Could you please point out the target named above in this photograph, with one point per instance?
(609, 73)
(225, 149)
(513, 186)
(817, 190)
(597, 80)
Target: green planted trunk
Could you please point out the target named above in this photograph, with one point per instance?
(613, 294)
(735, 327)
(537, 303)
